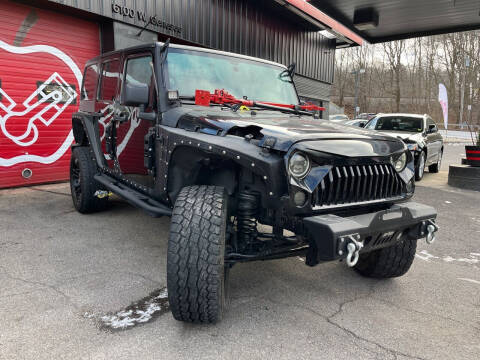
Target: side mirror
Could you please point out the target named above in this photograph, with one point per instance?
(362, 124)
(136, 94)
(432, 128)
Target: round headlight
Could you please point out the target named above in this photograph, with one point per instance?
(298, 165)
(399, 162)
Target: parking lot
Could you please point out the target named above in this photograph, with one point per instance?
(62, 272)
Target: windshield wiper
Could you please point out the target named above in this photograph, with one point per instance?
(222, 97)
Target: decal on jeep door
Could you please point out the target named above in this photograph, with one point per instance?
(132, 120)
(42, 55)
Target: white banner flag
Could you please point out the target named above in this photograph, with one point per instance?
(443, 99)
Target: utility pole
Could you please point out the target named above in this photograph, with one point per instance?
(356, 73)
(462, 95)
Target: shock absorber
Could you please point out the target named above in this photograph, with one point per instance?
(246, 214)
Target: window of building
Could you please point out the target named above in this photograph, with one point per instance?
(89, 82)
(109, 80)
(128, 35)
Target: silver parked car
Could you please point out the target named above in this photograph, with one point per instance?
(338, 117)
(356, 122)
(419, 132)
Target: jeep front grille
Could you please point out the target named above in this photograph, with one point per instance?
(345, 185)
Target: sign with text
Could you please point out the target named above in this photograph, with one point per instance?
(145, 18)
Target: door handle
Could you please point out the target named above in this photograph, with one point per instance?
(120, 118)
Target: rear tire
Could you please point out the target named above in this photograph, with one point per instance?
(435, 168)
(196, 273)
(392, 261)
(82, 183)
(420, 168)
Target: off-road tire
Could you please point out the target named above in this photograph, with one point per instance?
(435, 168)
(196, 274)
(392, 261)
(83, 168)
(420, 172)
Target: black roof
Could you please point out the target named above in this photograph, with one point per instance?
(122, 51)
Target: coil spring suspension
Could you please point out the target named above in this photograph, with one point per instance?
(246, 213)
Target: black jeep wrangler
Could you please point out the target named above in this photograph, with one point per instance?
(221, 143)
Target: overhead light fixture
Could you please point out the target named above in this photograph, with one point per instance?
(365, 19)
(327, 34)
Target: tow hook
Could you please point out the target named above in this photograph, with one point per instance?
(431, 228)
(354, 245)
(102, 194)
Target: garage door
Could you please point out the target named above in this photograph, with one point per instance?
(42, 54)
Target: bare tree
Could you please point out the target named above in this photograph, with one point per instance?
(393, 51)
(342, 63)
(405, 75)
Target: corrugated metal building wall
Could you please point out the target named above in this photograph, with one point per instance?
(247, 27)
(34, 142)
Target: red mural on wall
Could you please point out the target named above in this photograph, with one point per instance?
(42, 54)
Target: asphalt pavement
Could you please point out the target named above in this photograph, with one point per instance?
(61, 273)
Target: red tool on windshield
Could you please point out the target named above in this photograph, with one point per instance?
(220, 96)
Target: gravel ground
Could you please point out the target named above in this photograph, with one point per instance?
(61, 272)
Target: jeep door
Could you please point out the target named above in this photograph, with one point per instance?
(137, 69)
(106, 104)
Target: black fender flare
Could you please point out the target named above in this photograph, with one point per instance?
(266, 166)
(86, 132)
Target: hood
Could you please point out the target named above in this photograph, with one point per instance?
(405, 136)
(275, 130)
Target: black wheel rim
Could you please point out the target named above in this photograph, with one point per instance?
(75, 180)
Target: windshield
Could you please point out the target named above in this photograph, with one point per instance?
(191, 70)
(396, 123)
(338, 117)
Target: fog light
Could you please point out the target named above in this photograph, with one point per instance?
(299, 198)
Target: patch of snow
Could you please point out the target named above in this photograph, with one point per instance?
(447, 202)
(424, 255)
(470, 280)
(139, 312)
(469, 261)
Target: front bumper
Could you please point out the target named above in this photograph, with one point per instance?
(329, 235)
